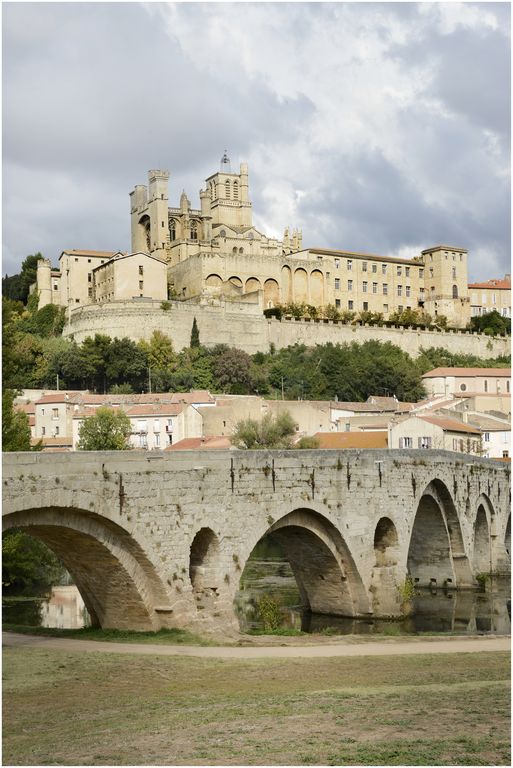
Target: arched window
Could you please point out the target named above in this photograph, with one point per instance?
(454, 291)
(235, 190)
(234, 250)
(213, 190)
(227, 187)
(172, 229)
(194, 230)
(241, 250)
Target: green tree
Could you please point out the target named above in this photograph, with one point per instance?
(15, 425)
(126, 362)
(27, 564)
(17, 286)
(195, 337)
(306, 443)
(107, 430)
(491, 323)
(270, 432)
(232, 370)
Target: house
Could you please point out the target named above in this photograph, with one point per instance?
(435, 431)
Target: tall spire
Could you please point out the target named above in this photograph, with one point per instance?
(226, 166)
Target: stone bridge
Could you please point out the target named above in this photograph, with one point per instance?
(161, 539)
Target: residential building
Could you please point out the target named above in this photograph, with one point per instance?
(459, 381)
(491, 295)
(434, 432)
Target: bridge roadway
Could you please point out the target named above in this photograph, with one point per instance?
(157, 539)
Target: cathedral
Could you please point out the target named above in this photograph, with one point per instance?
(214, 252)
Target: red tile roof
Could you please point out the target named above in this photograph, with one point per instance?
(450, 425)
(492, 372)
(352, 439)
(152, 409)
(200, 443)
(503, 283)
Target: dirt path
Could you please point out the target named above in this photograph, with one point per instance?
(337, 648)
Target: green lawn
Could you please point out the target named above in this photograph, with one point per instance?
(102, 708)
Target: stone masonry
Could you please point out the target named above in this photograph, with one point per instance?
(157, 540)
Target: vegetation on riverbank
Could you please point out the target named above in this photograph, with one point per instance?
(128, 709)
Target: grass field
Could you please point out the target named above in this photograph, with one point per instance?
(92, 708)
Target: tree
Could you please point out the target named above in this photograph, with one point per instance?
(17, 286)
(491, 323)
(195, 338)
(27, 563)
(15, 426)
(107, 430)
(232, 370)
(126, 362)
(270, 432)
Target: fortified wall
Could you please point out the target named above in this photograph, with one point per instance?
(242, 325)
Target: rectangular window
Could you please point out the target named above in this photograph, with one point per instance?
(383, 269)
(399, 270)
(89, 277)
(364, 286)
(430, 271)
(347, 426)
(421, 273)
(385, 307)
(349, 285)
(486, 437)
(169, 425)
(55, 413)
(337, 303)
(141, 270)
(374, 267)
(337, 263)
(90, 292)
(156, 425)
(365, 306)
(142, 425)
(141, 283)
(337, 284)
(349, 264)
(157, 440)
(454, 273)
(408, 290)
(407, 271)
(385, 289)
(43, 430)
(422, 293)
(454, 444)
(350, 304)
(505, 454)
(424, 442)
(56, 430)
(55, 286)
(494, 298)
(364, 266)
(374, 287)
(399, 290)
(405, 442)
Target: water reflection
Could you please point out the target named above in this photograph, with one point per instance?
(64, 609)
(465, 612)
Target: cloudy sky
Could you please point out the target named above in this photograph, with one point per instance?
(376, 127)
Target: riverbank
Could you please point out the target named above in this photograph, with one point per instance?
(77, 707)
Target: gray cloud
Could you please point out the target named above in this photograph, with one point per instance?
(380, 127)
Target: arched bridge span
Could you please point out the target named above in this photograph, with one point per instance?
(160, 540)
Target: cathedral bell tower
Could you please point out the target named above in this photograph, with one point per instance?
(229, 196)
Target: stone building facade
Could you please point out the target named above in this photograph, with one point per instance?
(215, 252)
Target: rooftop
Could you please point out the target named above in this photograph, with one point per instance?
(450, 425)
(378, 439)
(497, 372)
(503, 283)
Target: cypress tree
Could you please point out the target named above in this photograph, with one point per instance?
(195, 339)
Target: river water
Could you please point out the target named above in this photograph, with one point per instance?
(469, 612)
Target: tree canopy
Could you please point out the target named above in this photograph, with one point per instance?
(107, 430)
(270, 432)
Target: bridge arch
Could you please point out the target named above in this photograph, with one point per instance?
(385, 542)
(436, 549)
(204, 561)
(117, 581)
(325, 572)
(482, 555)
